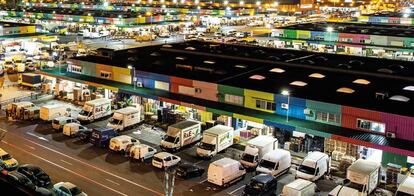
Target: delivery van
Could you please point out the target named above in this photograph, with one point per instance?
(59, 122)
(125, 118)
(256, 148)
(95, 109)
(164, 160)
(215, 140)
(101, 136)
(72, 129)
(275, 163)
(181, 134)
(141, 152)
(299, 187)
(225, 172)
(50, 112)
(342, 190)
(121, 143)
(314, 166)
(364, 176)
(406, 188)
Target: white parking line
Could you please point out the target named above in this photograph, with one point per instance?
(202, 181)
(31, 147)
(66, 169)
(92, 166)
(112, 181)
(231, 193)
(66, 162)
(198, 162)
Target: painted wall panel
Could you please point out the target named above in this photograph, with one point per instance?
(388, 157)
(175, 82)
(250, 97)
(104, 68)
(333, 36)
(302, 34)
(88, 68)
(402, 126)
(351, 114)
(296, 106)
(379, 40)
(205, 90)
(290, 33)
(248, 118)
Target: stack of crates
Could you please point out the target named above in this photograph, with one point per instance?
(392, 173)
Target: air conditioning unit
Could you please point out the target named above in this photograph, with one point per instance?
(284, 106)
(139, 84)
(390, 135)
(308, 112)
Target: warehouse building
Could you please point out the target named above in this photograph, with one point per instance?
(309, 101)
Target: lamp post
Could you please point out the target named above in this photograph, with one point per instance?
(330, 30)
(134, 79)
(286, 93)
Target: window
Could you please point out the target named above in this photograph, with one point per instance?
(233, 99)
(266, 105)
(327, 117)
(105, 74)
(371, 125)
(76, 69)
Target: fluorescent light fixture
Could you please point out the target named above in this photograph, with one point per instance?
(257, 77)
(298, 83)
(361, 81)
(317, 75)
(277, 70)
(345, 90)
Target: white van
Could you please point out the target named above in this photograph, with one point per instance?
(164, 160)
(142, 152)
(314, 166)
(275, 163)
(120, 143)
(406, 187)
(71, 129)
(341, 190)
(225, 171)
(49, 112)
(299, 187)
(59, 122)
(124, 118)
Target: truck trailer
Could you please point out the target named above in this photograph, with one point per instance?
(30, 80)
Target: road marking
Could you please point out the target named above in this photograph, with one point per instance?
(66, 169)
(31, 147)
(231, 193)
(198, 162)
(202, 181)
(38, 137)
(66, 162)
(112, 181)
(92, 166)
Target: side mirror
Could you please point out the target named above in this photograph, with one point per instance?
(345, 182)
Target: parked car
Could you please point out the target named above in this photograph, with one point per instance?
(67, 189)
(164, 160)
(187, 170)
(261, 185)
(141, 152)
(17, 178)
(72, 129)
(35, 174)
(9, 162)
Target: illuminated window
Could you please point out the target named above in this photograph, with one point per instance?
(257, 77)
(345, 90)
(277, 70)
(233, 99)
(317, 75)
(266, 105)
(327, 117)
(371, 125)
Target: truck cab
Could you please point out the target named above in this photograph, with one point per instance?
(125, 118)
(256, 148)
(215, 139)
(95, 109)
(364, 176)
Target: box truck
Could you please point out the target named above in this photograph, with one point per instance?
(95, 109)
(299, 187)
(406, 187)
(49, 112)
(225, 172)
(181, 134)
(30, 80)
(125, 118)
(364, 176)
(215, 140)
(314, 166)
(15, 110)
(342, 190)
(256, 148)
(276, 163)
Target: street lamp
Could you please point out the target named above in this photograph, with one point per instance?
(330, 30)
(241, 3)
(226, 2)
(134, 78)
(286, 93)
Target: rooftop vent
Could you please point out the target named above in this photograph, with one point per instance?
(317, 75)
(321, 58)
(400, 98)
(356, 62)
(310, 62)
(257, 77)
(344, 66)
(345, 90)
